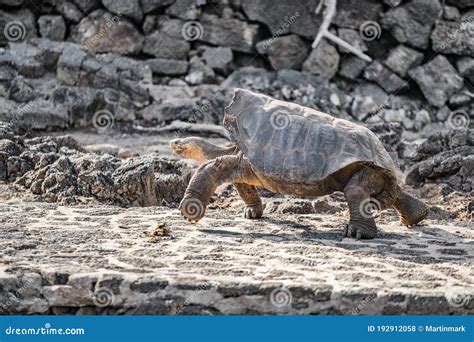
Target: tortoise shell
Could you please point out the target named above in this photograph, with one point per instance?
(290, 142)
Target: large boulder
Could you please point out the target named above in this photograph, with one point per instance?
(352, 14)
(52, 27)
(438, 80)
(461, 3)
(184, 9)
(352, 67)
(69, 11)
(368, 99)
(385, 78)
(465, 66)
(152, 5)
(455, 38)
(87, 5)
(129, 8)
(219, 58)
(287, 52)
(101, 32)
(17, 26)
(402, 59)
(288, 16)
(323, 60)
(411, 23)
(161, 45)
(233, 33)
(170, 67)
(167, 40)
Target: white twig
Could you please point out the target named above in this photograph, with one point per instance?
(182, 126)
(328, 14)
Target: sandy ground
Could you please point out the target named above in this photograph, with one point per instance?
(294, 260)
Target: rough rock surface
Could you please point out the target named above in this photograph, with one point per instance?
(232, 33)
(323, 61)
(289, 16)
(219, 59)
(58, 170)
(444, 158)
(17, 26)
(288, 52)
(161, 45)
(52, 27)
(130, 8)
(440, 72)
(454, 37)
(402, 59)
(411, 22)
(351, 16)
(104, 32)
(388, 80)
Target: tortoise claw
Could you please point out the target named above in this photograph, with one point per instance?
(253, 211)
(359, 232)
(346, 231)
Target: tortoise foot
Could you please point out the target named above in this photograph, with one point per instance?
(359, 231)
(192, 209)
(253, 211)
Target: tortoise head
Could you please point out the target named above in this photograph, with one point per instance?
(192, 148)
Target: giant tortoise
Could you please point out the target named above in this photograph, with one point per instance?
(291, 149)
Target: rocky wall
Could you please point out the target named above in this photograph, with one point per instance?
(145, 63)
(128, 57)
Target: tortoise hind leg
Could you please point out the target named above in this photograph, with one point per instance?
(253, 203)
(360, 225)
(411, 210)
(359, 192)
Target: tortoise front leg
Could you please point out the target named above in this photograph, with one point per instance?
(253, 203)
(226, 169)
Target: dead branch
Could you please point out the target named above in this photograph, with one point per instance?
(181, 126)
(328, 14)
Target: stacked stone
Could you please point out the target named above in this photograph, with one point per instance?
(124, 55)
